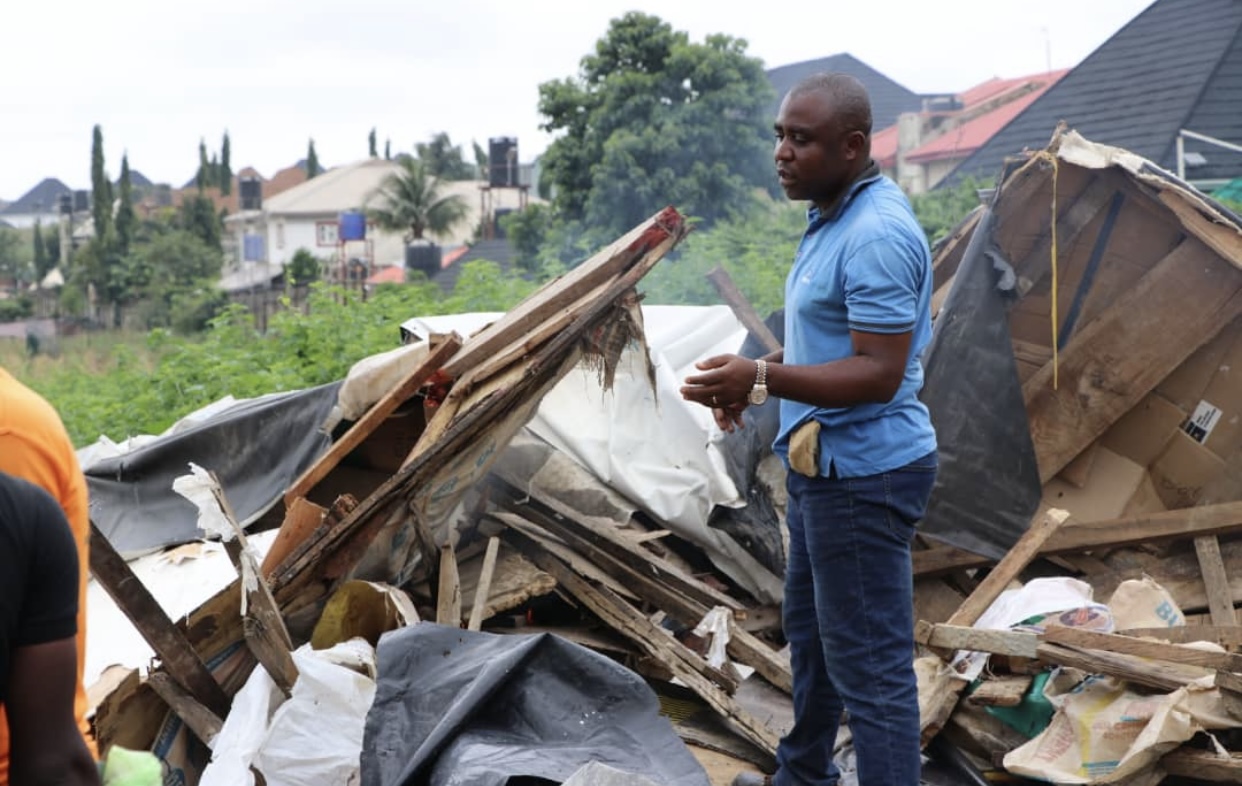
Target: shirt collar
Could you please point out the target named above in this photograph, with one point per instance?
(864, 179)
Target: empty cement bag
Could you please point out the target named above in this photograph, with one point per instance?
(460, 707)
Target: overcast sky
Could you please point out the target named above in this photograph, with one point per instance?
(160, 75)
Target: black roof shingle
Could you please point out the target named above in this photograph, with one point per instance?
(1177, 65)
(888, 99)
(43, 198)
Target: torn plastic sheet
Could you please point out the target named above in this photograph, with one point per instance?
(256, 447)
(988, 484)
(457, 707)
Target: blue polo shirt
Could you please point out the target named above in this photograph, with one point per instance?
(866, 267)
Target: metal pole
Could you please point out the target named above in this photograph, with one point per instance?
(1181, 155)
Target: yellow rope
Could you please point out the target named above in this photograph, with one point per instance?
(1052, 159)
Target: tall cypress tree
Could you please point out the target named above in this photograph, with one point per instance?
(125, 218)
(387, 149)
(226, 168)
(40, 252)
(203, 179)
(372, 150)
(101, 188)
(312, 160)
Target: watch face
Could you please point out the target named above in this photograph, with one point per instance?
(758, 395)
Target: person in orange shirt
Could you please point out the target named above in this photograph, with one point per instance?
(35, 446)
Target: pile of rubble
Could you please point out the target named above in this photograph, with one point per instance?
(1080, 379)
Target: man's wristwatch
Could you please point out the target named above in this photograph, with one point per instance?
(759, 393)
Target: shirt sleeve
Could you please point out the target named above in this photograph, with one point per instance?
(882, 282)
(50, 605)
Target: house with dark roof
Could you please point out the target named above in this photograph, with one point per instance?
(41, 203)
(1167, 86)
(888, 98)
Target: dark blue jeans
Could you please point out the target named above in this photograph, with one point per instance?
(849, 619)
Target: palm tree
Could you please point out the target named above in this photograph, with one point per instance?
(411, 199)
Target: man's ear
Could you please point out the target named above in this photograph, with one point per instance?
(855, 142)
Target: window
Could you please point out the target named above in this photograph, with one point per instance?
(326, 233)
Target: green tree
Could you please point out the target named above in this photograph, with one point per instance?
(101, 187)
(13, 267)
(527, 231)
(198, 217)
(42, 262)
(480, 161)
(372, 150)
(303, 268)
(202, 178)
(940, 210)
(52, 241)
(413, 200)
(653, 119)
(226, 166)
(443, 159)
(125, 217)
(312, 160)
(387, 149)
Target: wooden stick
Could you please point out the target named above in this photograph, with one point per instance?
(742, 308)
(180, 660)
(448, 599)
(1203, 765)
(378, 412)
(485, 584)
(1157, 650)
(1014, 643)
(204, 723)
(1161, 676)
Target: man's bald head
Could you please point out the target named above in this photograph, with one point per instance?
(851, 106)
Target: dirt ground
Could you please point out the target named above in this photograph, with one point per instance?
(720, 767)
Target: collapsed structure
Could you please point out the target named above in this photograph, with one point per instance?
(1080, 380)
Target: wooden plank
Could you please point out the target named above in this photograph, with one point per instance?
(1157, 650)
(1221, 519)
(742, 309)
(1185, 634)
(1216, 582)
(1161, 676)
(204, 723)
(1013, 563)
(1122, 354)
(301, 520)
(448, 598)
(1001, 691)
(485, 584)
(686, 665)
(1203, 765)
(1014, 643)
(263, 625)
(1224, 239)
(170, 644)
(379, 411)
(1037, 264)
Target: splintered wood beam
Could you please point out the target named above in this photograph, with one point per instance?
(1221, 519)
(1001, 691)
(1155, 650)
(448, 597)
(742, 309)
(686, 665)
(1187, 634)
(1203, 765)
(1122, 354)
(1013, 643)
(181, 661)
(1023, 552)
(1158, 675)
(485, 584)
(1072, 221)
(379, 411)
(1216, 582)
(204, 723)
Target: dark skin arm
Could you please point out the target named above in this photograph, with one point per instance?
(46, 746)
(872, 374)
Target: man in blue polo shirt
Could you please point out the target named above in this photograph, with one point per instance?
(858, 443)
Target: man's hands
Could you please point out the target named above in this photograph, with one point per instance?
(723, 387)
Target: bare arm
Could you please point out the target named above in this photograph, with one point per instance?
(872, 374)
(46, 745)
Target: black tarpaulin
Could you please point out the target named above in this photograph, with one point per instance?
(456, 707)
(256, 448)
(988, 485)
